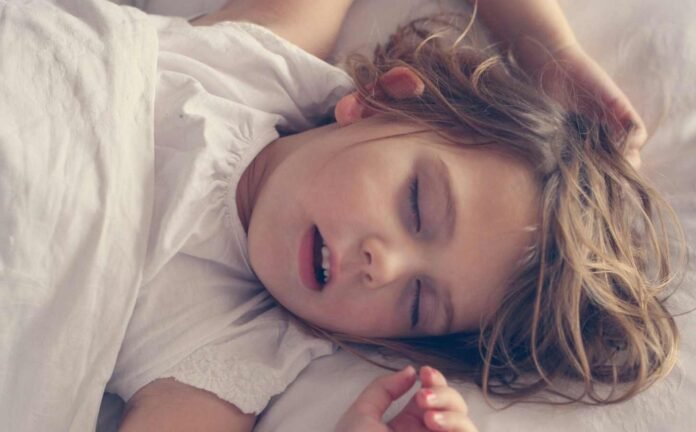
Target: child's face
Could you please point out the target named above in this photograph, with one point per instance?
(357, 194)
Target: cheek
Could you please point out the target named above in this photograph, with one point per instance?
(376, 315)
(355, 193)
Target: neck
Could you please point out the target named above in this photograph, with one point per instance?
(249, 186)
(254, 178)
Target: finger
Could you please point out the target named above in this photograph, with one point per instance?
(401, 82)
(441, 398)
(351, 109)
(627, 130)
(622, 113)
(431, 377)
(449, 421)
(636, 139)
(634, 159)
(623, 120)
(380, 394)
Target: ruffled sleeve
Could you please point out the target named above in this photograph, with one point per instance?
(265, 362)
(201, 325)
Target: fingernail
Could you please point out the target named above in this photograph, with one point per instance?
(429, 396)
(439, 418)
(439, 376)
(432, 372)
(408, 370)
(401, 83)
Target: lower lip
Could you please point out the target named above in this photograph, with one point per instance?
(305, 260)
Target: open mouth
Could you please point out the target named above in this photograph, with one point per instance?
(322, 269)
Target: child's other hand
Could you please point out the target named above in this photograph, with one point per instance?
(435, 407)
(570, 65)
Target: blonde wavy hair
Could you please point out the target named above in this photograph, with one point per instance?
(587, 303)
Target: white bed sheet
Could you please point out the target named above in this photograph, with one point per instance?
(76, 91)
(649, 47)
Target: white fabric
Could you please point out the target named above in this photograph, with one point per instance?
(76, 93)
(202, 317)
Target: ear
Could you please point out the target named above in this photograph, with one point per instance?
(399, 82)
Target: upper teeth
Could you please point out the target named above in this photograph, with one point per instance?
(325, 264)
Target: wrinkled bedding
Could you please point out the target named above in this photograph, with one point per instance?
(76, 97)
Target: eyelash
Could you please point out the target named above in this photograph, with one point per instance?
(415, 306)
(414, 203)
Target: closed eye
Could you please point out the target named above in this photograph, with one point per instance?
(415, 306)
(414, 204)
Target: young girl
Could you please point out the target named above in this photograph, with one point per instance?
(454, 213)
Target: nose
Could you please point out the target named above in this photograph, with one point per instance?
(381, 263)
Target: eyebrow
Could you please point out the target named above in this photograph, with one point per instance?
(445, 179)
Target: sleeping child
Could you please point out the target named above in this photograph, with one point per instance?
(478, 211)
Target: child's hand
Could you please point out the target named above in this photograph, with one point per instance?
(570, 65)
(435, 407)
(546, 47)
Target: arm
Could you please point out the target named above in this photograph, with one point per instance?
(166, 404)
(519, 22)
(310, 24)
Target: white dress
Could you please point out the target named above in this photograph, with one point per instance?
(201, 315)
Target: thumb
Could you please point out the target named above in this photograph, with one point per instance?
(379, 395)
